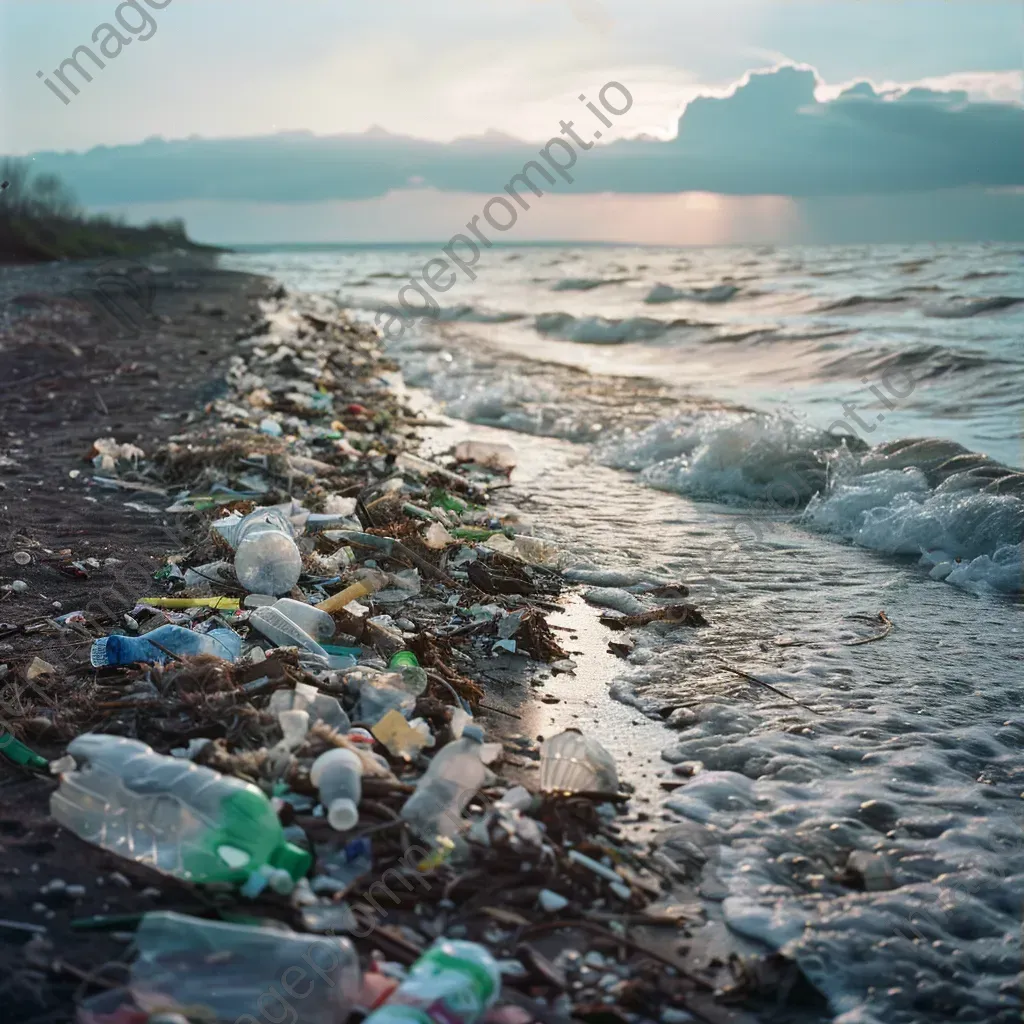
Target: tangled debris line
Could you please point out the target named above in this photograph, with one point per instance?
(286, 726)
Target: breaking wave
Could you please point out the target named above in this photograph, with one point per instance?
(585, 284)
(598, 330)
(961, 308)
(960, 512)
(666, 293)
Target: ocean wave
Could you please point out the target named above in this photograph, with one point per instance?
(926, 361)
(960, 511)
(599, 330)
(585, 284)
(450, 314)
(728, 457)
(716, 293)
(862, 303)
(960, 308)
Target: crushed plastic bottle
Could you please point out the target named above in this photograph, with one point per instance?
(126, 650)
(279, 629)
(454, 982)
(338, 777)
(455, 774)
(170, 814)
(573, 763)
(267, 560)
(224, 969)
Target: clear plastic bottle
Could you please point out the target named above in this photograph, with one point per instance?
(338, 777)
(454, 776)
(573, 763)
(125, 650)
(226, 969)
(414, 676)
(267, 560)
(170, 814)
(279, 629)
(454, 982)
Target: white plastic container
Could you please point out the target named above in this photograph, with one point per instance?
(338, 777)
(267, 560)
(318, 624)
(454, 982)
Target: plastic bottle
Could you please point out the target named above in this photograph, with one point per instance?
(414, 677)
(267, 560)
(126, 650)
(573, 763)
(226, 969)
(338, 777)
(282, 631)
(175, 816)
(454, 982)
(368, 584)
(318, 624)
(455, 774)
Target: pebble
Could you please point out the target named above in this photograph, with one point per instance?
(673, 1016)
(594, 959)
(76, 892)
(551, 901)
(118, 879)
(22, 557)
(19, 586)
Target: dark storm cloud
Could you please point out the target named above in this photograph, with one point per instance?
(769, 136)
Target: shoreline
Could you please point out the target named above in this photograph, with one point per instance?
(170, 381)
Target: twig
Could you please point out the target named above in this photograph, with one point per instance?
(881, 617)
(498, 711)
(768, 686)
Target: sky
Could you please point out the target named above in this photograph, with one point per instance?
(454, 68)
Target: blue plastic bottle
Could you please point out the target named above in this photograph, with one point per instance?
(125, 650)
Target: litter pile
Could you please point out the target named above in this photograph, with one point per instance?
(288, 724)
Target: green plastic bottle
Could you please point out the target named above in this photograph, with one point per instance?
(177, 817)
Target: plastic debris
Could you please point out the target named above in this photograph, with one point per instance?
(574, 763)
(267, 560)
(442, 794)
(337, 775)
(402, 738)
(215, 970)
(16, 751)
(164, 644)
(454, 982)
(172, 815)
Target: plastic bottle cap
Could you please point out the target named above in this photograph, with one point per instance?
(293, 859)
(343, 814)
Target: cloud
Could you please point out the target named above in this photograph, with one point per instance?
(777, 132)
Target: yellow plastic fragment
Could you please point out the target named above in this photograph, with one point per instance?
(191, 602)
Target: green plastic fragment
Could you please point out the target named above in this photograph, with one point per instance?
(17, 752)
